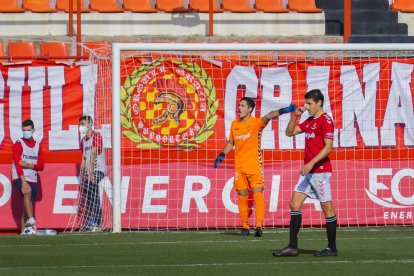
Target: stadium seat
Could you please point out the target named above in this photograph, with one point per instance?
(54, 49)
(101, 48)
(139, 6)
(237, 6)
(403, 5)
(11, 6)
(22, 49)
(38, 6)
(275, 6)
(307, 6)
(1, 52)
(63, 5)
(105, 6)
(171, 6)
(203, 6)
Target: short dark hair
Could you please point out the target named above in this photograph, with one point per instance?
(28, 122)
(316, 95)
(250, 102)
(88, 119)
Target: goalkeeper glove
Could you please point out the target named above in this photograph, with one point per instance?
(219, 159)
(287, 109)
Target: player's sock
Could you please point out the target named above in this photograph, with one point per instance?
(244, 211)
(331, 232)
(259, 208)
(295, 224)
(30, 222)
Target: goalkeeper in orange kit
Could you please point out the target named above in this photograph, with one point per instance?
(245, 137)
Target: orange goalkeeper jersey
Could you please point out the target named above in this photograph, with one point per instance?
(246, 137)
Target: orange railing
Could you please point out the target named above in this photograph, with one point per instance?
(78, 24)
(347, 20)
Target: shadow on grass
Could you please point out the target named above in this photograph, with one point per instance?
(301, 251)
(231, 233)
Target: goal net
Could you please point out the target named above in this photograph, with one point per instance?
(173, 105)
(94, 196)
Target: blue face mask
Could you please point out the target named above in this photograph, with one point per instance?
(27, 134)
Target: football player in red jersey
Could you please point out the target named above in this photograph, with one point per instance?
(28, 159)
(315, 174)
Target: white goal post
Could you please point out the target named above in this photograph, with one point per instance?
(390, 51)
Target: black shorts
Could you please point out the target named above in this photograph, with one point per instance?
(18, 184)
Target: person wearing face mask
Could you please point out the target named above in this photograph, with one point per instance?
(28, 159)
(92, 171)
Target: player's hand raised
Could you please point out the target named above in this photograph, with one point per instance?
(299, 110)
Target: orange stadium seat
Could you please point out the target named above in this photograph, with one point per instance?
(63, 5)
(38, 6)
(303, 6)
(1, 52)
(22, 49)
(237, 6)
(403, 5)
(171, 6)
(203, 6)
(270, 6)
(11, 6)
(139, 6)
(54, 49)
(105, 6)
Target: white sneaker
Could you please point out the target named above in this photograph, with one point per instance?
(29, 231)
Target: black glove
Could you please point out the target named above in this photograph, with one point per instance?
(219, 159)
(287, 109)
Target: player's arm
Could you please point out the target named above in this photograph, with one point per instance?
(91, 174)
(292, 128)
(40, 165)
(326, 150)
(276, 113)
(82, 165)
(97, 147)
(227, 148)
(17, 154)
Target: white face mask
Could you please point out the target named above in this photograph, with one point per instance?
(27, 134)
(82, 130)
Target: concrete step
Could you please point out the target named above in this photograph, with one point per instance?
(330, 4)
(370, 4)
(367, 15)
(379, 28)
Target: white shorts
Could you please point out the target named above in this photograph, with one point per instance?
(315, 185)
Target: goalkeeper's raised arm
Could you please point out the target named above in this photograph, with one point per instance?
(276, 113)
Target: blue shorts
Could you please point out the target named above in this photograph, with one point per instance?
(18, 184)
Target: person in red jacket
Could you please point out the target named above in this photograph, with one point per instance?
(28, 159)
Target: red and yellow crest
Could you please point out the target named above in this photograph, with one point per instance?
(168, 103)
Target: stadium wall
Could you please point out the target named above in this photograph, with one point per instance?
(176, 24)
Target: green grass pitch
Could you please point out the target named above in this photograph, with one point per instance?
(362, 251)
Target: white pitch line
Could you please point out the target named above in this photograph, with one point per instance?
(241, 240)
(395, 261)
